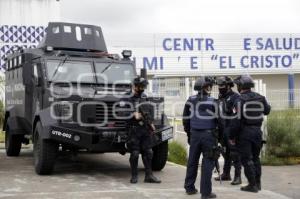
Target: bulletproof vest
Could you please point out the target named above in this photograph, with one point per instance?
(253, 108)
(226, 104)
(201, 117)
(142, 104)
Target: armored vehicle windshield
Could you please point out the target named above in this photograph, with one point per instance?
(70, 71)
(84, 72)
(114, 72)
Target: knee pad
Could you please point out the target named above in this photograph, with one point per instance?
(250, 163)
(134, 155)
(148, 153)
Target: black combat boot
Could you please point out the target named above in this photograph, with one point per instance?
(250, 188)
(224, 177)
(149, 177)
(134, 176)
(258, 184)
(191, 192)
(212, 195)
(134, 159)
(237, 179)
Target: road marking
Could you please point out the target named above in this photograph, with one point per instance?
(150, 191)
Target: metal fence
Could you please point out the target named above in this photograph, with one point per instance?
(177, 90)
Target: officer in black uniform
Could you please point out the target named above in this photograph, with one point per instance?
(140, 135)
(227, 99)
(250, 108)
(200, 122)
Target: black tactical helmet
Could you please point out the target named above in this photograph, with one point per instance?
(225, 80)
(244, 82)
(140, 81)
(202, 82)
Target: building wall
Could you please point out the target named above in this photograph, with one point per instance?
(297, 81)
(23, 22)
(274, 82)
(277, 90)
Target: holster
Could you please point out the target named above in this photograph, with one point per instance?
(214, 153)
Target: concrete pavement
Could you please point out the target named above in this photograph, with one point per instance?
(107, 176)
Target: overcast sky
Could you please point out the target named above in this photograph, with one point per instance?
(186, 16)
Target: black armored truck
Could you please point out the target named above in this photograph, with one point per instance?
(65, 95)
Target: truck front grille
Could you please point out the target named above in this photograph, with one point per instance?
(105, 115)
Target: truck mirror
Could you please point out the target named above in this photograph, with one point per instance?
(37, 79)
(144, 73)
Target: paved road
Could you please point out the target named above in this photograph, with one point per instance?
(107, 176)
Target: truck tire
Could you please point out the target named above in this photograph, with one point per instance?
(45, 152)
(160, 156)
(13, 143)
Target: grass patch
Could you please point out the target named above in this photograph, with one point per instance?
(284, 134)
(2, 137)
(283, 141)
(177, 122)
(276, 161)
(177, 153)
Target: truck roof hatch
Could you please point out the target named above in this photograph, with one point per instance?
(76, 37)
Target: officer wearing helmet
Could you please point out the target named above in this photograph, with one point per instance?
(246, 132)
(227, 99)
(140, 136)
(200, 122)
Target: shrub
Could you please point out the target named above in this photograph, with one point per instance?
(177, 153)
(284, 134)
(276, 161)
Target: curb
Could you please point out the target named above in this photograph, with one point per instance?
(175, 164)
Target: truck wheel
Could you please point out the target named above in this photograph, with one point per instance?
(44, 151)
(13, 143)
(160, 156)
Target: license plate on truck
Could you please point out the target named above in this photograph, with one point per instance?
(167, 134)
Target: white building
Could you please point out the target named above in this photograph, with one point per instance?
(272, 58)
(23, 22)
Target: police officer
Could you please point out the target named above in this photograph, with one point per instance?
(227, 99)
(140, 135)
(250, 108)
(200, 122)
